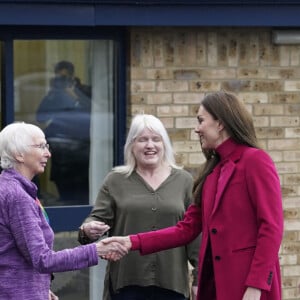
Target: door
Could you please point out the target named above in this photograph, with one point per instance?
(71, 88)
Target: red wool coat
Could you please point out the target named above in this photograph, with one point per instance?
(242, 220)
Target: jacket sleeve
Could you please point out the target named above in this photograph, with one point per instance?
(192, 248)
(33, 238)
(264, 188)
(178, 235)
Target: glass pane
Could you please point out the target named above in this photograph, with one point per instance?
(73, 285)
(79, 130)
(65, 87)
(86, 284)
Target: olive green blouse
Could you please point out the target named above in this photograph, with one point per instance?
(129, 205)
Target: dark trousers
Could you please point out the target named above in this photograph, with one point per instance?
(146, 293)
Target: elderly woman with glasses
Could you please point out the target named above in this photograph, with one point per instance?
(27, 259)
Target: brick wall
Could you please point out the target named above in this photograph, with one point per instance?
(171, 69)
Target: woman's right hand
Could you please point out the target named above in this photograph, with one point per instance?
(94, 229)
(52, 296)
(113, 250)
(252, 294)
(122, 241)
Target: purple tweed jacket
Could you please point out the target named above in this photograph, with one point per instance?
(26, 239)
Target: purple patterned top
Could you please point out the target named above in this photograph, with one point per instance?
(26, 240)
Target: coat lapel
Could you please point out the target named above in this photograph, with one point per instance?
(209, 193)
(227, 170)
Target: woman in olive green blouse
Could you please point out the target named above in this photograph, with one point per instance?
(149, 192)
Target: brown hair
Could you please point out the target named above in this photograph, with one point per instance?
(237, 121)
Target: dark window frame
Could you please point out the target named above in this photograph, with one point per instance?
(66, 218)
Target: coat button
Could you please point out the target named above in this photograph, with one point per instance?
(214, 230)
(217, 257)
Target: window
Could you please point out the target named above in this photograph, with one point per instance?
(82, 113)
(66, 87)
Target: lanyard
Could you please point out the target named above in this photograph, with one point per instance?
(37, 201)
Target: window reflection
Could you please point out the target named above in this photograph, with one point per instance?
(79, 130)
(65, 114)
(66, 87)
(73, 284)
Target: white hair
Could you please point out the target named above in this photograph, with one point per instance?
(139, 123)
(15, 139)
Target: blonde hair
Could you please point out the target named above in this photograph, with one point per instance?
(139, 123)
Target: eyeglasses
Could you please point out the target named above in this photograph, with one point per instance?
(41, 146)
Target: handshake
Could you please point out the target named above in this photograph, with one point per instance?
(113, 248)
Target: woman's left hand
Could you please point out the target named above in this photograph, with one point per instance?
(94, 229)
(52, 296)
(194, 292)
(252, 294)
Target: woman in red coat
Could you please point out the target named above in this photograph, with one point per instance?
(238, 209)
